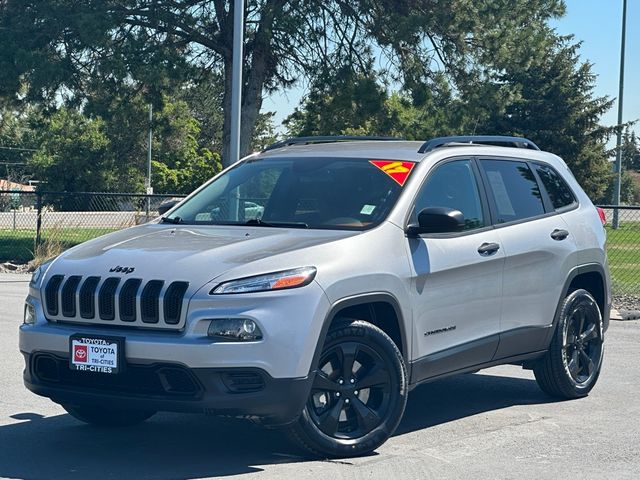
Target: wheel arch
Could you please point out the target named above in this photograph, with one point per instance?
(591, 277)
(382, 309)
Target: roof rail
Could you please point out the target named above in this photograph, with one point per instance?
(322, 139)
(518, 142)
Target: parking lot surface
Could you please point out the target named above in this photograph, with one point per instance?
(493, 424)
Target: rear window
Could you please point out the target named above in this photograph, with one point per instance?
(559, 192)
(513, 189)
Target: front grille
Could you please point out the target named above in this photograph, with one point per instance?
(106, 299)
(149, 304)
(128, 303)
(51, 294)
(69, 296)
(173, 302)
(88, 297)
(128, 299)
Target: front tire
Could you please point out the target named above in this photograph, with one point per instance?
(358, 395)
(107, 417)
(571, 367)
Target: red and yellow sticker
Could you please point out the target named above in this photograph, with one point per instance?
(397, 170)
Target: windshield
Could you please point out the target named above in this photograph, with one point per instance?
(329, 193)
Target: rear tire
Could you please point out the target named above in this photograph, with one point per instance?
(571, 367)
(358, 396)
(107, 417)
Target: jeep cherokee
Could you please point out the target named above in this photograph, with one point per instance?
(314, 284)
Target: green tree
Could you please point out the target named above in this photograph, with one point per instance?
(56, 49)
(16, 144)
(180, 164)
(630, 150)
(77, 152)
(73, 154)
(338, 103)
(629, 190)
(554, 105)
(346, 102)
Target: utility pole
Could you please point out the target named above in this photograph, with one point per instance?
(149, 188)
(616, 191)
(236, 79)
(236, 99)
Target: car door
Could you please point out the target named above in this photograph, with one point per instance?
(457, 276)
(539, 251)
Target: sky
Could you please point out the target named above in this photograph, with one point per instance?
(598, 25)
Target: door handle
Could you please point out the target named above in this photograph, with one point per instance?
(559, 234)
(487, 249)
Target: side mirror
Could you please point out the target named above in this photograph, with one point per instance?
(437, 220)
(166, 206)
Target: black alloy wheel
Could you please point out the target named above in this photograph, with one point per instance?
(351, 392)
(358, 395)
(582, 343)
(572, 365)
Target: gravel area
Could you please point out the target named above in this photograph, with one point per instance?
(9, 267)
(626, 302)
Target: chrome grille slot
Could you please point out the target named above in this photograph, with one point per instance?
(51, 294)
(150, 301)
(127, 299)
(127, 302)
(173, 298)
(107, 298)
(88, 297)
(68, 296)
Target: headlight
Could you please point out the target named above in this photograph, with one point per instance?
(29, 314)
(36, 276)
(298, 277)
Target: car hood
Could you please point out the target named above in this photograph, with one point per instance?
(197, 254)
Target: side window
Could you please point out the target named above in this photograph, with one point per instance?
(558, 190)
(452, 185)
(514, 189)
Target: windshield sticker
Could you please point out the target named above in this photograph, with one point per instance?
(399, 171)
(367, 209)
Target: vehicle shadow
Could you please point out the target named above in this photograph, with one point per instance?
(193, 446)
(463, 396)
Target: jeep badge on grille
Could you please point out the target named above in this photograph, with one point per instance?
(125, 270)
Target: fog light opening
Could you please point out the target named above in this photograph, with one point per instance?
(29, 314)
(235, 329)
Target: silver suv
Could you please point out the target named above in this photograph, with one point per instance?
(314, 284)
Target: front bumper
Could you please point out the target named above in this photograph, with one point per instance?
(290, 320)
(236, 392)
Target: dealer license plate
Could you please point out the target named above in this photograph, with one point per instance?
(98, 354)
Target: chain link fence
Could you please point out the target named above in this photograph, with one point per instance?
(43, 224)
(623, 251)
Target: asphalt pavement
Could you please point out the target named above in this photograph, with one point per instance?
(493, 424)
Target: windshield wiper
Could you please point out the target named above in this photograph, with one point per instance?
(259, 223)
(174, 220)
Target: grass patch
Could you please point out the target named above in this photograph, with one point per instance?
(18, 245)
(623, 250)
